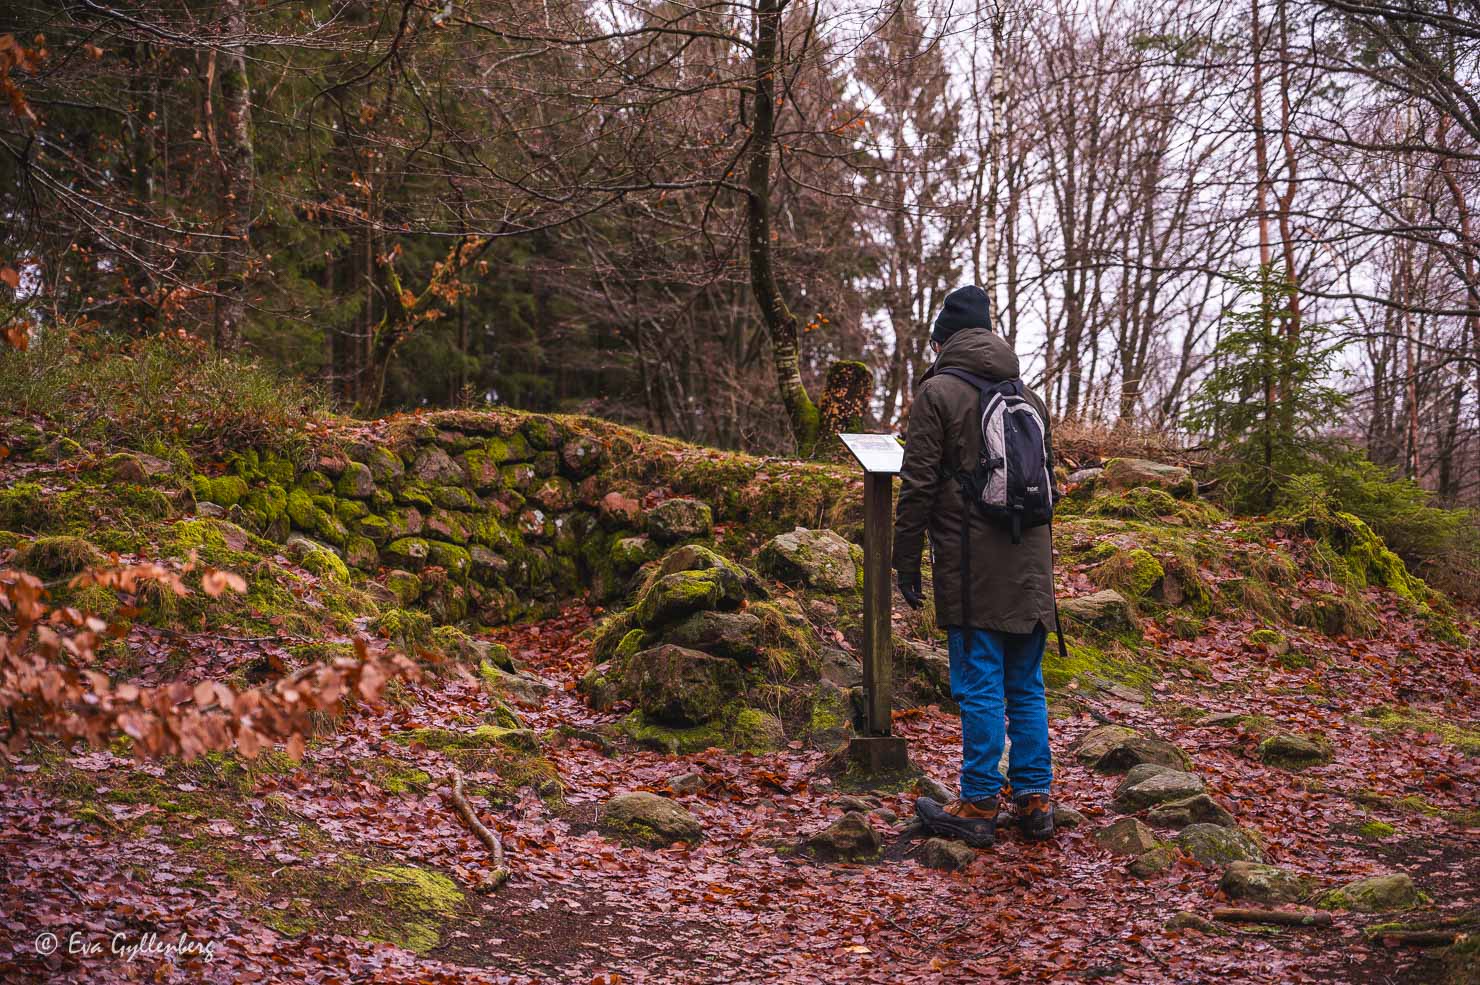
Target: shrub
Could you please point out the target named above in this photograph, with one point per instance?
(173, 389)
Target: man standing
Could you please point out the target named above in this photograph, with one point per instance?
(993, 580)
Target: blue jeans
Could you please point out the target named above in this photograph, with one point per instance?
(995, 674)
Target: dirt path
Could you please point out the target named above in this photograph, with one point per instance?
(251, 866)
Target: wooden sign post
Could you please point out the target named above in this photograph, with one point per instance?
(881, 457)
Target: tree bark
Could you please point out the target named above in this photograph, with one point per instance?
(780, 323)
(237, 166)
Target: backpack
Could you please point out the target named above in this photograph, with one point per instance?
(1010, 483)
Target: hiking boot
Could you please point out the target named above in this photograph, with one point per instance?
(1035, 816)
(974, 822)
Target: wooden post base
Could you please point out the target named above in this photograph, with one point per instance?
(879, 753)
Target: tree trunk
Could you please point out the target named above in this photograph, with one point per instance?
(237, 180)
(781, 324)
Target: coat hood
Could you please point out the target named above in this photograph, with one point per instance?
(977, 351)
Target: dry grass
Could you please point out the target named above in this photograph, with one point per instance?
(1079, 444)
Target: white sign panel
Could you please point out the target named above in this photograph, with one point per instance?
(875, 452)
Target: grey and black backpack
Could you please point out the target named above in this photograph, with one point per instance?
(1010, 483)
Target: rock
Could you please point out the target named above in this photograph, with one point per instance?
(928, 786)
(934, 665)
(1377, 894)
(1145, 771)
(1121, 474)
(942, 853)
(1187, 920)
(736, 635)
(840, 667)
(355, 482)
(404, 585)
(848, 839)
(850, 802)
(1081, 477)
(885, 814)
(617, 511)
(1294, 752)
(687, 783)
(674, 520)
(1222, 719)
(756, 731)
(1158, 788)
(1212, 844)
(1126, 836)
(1098, 741)
(526, 688)
(1153, 863)
(1135, 750)
(633, 552)
(678, 686)
(136, 467)
(1068, 817)
(649, 820)
(209, 510)
(1201, 809)
(817, 559)
(433, 465)
(675, 596)
(1105, 610)
(581, 455)
(1264, 883)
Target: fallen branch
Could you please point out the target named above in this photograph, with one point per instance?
(1417, 938)
(490, 840)
(1289, 918)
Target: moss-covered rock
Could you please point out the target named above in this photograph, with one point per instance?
(1128, 473)
(1147, 785)
(848, 839)
(355, 482)
(738, 635)
(674, 596)
(648, 820)
(679, 519)
(1262, 883)
(756, 731)
(1213, 844)
(818, 559)
(404, 585)
(674, 685)
(1107, 611)
(422, 898)
(406, 627)
(630, 553)
(1294, 752)
(1376, 894)
(409, 553)
(58, 557)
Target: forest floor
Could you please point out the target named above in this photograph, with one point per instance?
(292, 872)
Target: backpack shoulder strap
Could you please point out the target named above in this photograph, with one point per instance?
(976, 381)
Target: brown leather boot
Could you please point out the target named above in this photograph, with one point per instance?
(1035, 816)
(974, 822)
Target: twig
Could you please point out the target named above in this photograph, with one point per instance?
(490, 840)
(1289, 918)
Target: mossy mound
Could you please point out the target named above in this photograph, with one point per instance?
(700, 652)
(57, 557)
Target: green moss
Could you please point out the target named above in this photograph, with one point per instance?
(1089, 661)
(224, 490)
(26, 506)
(301, 509)
(325, 564)
(1266, 637)
(674, 741)
(1388, 718)
(405, 627)
(1376, 830)
(456, 560)
(405, 585)
(756, 731)
(58, 557)
(94, 600)
(1337, 614)
(394, 777)
(482, 737)
(420, 897)
(676, 595)
(1133, 573)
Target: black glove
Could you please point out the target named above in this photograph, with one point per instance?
(909, 588)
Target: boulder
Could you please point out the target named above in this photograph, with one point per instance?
(1068, 817)
(1127, 473)
(1153, 863)
(929, 786)
(1294, 752)
(1135, 750)
(1126, 836)
(687, 783)
(756, 731)
(1376, 894)
(678, 686)
(581, 455)
(136, 467)
(1098, 741)
(1187, 920)
(1105, 610)
(736, 635)
(526, 688)
(433, 465)
(1262, 883)
(674, 520)
(848, 839)
(1200, 809)
(840, 667)
(356, 481)
(648, 820)
(675, 596)
(1159, 788)
(1083, 477)
(618, 511)
(817, 559)
(632, 552)
(942, 853)
(1213, 844)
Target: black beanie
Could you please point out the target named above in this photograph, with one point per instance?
(965, 307)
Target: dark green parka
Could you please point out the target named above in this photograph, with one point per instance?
(1011, 587)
